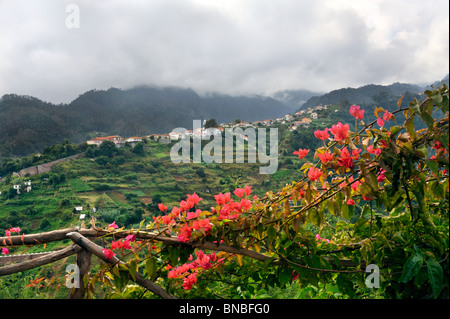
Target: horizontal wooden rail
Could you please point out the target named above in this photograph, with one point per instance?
(46, 259)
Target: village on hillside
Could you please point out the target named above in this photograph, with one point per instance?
(301, 118)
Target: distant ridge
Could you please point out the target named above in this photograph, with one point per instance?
(28, 125)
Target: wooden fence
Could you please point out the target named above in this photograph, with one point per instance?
(82, 246)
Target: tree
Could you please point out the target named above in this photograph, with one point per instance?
(107, 148)
(211, 123)
(138, 149)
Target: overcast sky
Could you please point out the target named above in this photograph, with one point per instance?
(228, 46)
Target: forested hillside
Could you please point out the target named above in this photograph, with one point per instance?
(28, 125)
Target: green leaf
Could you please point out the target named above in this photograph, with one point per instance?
(285, 276)
(411, 267)
(410, 126)
(271, 232)
(314, 217)
(371, 179)
(435, 275)
(174, 253)
(151, 267)
(437, 190)
(132, 265)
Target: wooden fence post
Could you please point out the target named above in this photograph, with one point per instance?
(84, 265)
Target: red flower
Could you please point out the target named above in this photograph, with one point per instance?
(202, 224)
(108, 253)
(340, 131)
(239, 192)
(301, 153)
(194, 199)
(314, 174)
(113, 225)
(356, 112)
(5, 251)
(221, 199)
(325, 157)
(246, 204)
(387, 115)
(380, 122)
(185, 233)
(345, 159)
(322, 135)
(189, 281)
(373, 150)
(162, 207)
(355, 184)
(191, 215)
(247, 190)
(350, 202)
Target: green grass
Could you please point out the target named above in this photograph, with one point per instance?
(79, 186)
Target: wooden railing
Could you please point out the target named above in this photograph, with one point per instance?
(83, 247)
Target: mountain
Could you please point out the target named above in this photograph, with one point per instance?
(370, 94)
(294, 98)
(28, 125)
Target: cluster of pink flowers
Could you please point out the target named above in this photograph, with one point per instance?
(193, 221)
(386, 117)
(12, 230)
(318, 238)
(8, 232)
(189, 271)
(356, 112)
(228, 208)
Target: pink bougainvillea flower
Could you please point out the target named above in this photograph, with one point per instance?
(7, 233)
(314, 174)
(301, 153)
(246, 204)
(383, 143)
(189, 281)
(186, 205)
(113, 225)
(345, 159)
(108, 253)
(325, 157)
(356, 112)
(318, 238)
(239, 192)
(162, 207)
(185, 233)
(175, 211)
(387, 115)
(354, 184)
(322, 135)
(131, 238)
(340, 131)
(380, 121)
(202, 224)
(381, 177)
(221, 199)
(247, 190)
(5, 251)
(191, 215)
(373, 150)
(355, 153)
(194, 198)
